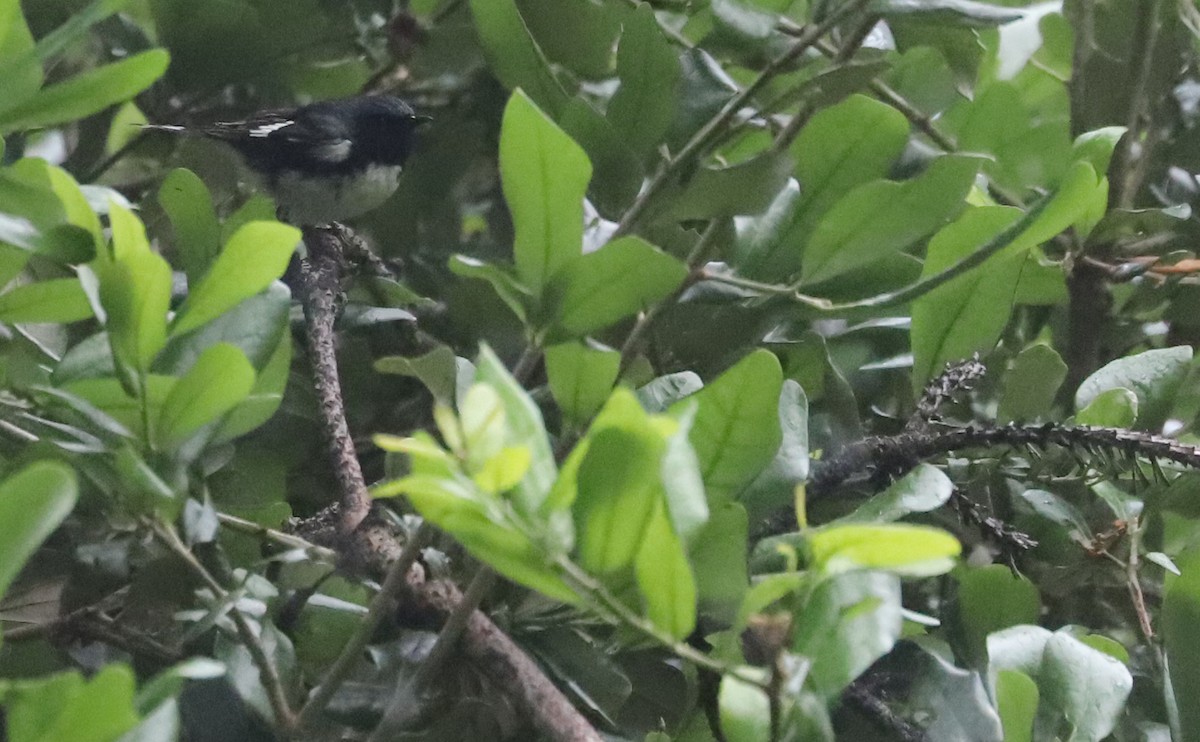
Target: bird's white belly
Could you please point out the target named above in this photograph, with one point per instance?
(315, 200)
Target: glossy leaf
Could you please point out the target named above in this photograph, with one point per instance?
(1113, 408)
(923, 489)
(33, 502)
(1154, 376)
(545, 175)
(189, 206)
(614, 282)
(220, 379)
(53, 300)
(736, 431)
(883, 216)
(581, 378)
(251, 259)
(86, 93)
(916, 551)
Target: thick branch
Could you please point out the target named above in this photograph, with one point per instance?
(321, 275)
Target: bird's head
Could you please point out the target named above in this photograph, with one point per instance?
(385, 126)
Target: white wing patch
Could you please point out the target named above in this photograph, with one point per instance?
(267, 130)
(333, 152)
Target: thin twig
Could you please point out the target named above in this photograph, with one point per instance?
(289, 540)
(381, 604)
(267, 671)
(444, 648)
(694, 146)
(700, 255)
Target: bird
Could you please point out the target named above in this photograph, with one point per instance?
(324, 162)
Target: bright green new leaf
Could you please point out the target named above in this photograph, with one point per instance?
(257, 254)
(1016, 702)
(745, 709)
(54, 300)
(908, 550)
(189, 206)
(665, 578)
(483, 423)
(736, 432)
(1096, 147)
(33, 502)
(135, 291)
(544, 175)
(503, 471)
(524, 427)
(87, 93)
(265, 396)
(612, 283)
(1154, 376)
(885, 216)
(67, 707)
(581, 378)
(220, 379)
(515, 58)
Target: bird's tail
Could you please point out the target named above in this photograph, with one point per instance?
(165, 127)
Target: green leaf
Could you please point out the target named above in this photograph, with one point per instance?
(1181, 638)
(665, 578)
(745, 709)
(220, 379)
(544, 175)
(883, 216)
(992, 598)
(581, 378)
(1112, 408)
(59, 300)
(848, 622)
(189, 206)
(1016, 702)
(1154, 376)
(256, 254)
(968, 313)
(524, 427)
(1031, 384)
(736, 432)
(1096, 147)
(614, 282)
(511, 291)
(264, 398)
(254, 325)
(842, 147)
(33, 502)
(775, 486)
(913, 551)
(135, 292)
(718, 556)
(617, 173)
(745, 188)
(648, 67)
(87, 93)
(66, 707)
(437, 370)
(514, 57)
(923, 489)
(618, 493)
(947, 12)
(1088, 687)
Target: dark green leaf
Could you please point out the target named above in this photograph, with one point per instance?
(923, 489)
(648, 67)
(515, 58)
(437, 370)
(951, 12)
(992, 598)
(1031, 384)
(745, 188)
(188, 204)
(1154, 376)
(884, 216)
(612, 283)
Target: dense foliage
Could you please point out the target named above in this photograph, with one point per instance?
(667, 361)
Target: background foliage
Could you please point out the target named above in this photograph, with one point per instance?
(660, 268)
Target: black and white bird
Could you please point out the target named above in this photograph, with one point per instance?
(327, 161)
